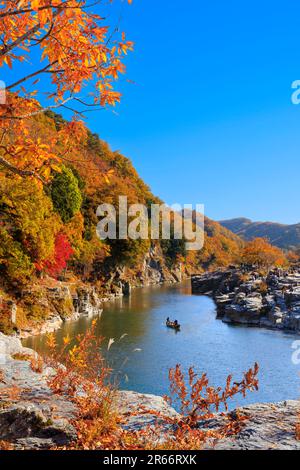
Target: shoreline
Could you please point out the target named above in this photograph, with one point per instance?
(250, 299)
(84, 301)
(261, 431)
(40, 420)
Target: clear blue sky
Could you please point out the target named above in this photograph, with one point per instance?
(209, 118)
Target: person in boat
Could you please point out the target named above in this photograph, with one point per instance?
(168, 320)
(175, 323)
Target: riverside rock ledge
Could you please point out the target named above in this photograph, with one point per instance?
(252, 299)
(38, 419)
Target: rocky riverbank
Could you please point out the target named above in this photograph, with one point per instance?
(32, 417)
(253, 299)
(44, 306)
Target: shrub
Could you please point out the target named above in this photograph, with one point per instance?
(84, 379)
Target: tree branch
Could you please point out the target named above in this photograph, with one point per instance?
(62, 6)
(22, 38)
(17, 171)
(13, 85)
(35, 113)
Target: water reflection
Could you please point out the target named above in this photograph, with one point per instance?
(144, 349)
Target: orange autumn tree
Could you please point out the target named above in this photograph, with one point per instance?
(76, 48)
(259, 252)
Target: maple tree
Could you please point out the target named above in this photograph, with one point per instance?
(62, 253)
(259, 252)
(76, 48)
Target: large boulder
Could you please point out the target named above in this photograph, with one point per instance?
(269, 426)
(218, 282)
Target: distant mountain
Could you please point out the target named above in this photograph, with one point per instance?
(283, 236)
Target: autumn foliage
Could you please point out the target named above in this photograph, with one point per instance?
(259, 252)
(76, 47)
(84, 378)
(54, 172)
(62, 253)
(198, 400)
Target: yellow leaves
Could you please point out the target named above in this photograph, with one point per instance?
(77, 357)
(45, 172)
(36, 4)
(107, 175)
(79, 50)
(51, 343)
(66, 340)
(7, 60)
(56, 168)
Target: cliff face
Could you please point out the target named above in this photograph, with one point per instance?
(50, 304)
(48, 234)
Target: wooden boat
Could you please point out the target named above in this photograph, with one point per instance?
(171, 324)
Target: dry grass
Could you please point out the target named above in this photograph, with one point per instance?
(22, 357)
(84, 380)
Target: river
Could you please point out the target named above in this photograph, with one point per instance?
(144, 349)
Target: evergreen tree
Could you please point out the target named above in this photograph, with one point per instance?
(65, 194)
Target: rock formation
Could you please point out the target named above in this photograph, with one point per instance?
(249, 298)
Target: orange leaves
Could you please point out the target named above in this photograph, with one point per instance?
(37, 364)
(32, 154)
(76, 49)
(73, 131)
(124, 47)
(74, 44)
(259, 252)
(8, 61)
(5, 445)
(51, 343)
(84, 380)
(198, 400)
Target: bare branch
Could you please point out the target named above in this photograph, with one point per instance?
(13, 85)
(35, 113)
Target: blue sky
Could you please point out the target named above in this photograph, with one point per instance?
(209, 118)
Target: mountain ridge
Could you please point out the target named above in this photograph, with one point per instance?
(284, 236)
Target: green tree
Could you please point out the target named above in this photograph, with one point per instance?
(174, 250)
(127, 252)
(15, 265)
(65, 194)
(28, 217)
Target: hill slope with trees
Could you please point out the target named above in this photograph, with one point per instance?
(283, 236)
(48, 226)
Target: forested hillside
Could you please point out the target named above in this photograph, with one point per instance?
(48, 225)
(281, 235)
